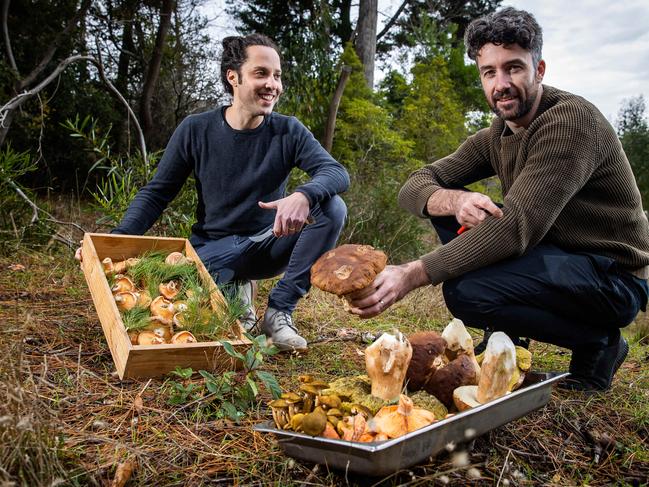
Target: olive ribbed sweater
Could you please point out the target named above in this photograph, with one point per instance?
(565, 181)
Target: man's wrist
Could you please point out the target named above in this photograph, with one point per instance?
(416, 274)
(443, 202)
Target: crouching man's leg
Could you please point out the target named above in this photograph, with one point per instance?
(296, 256)
(576, 301)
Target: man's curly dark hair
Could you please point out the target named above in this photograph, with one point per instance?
(505, 27)
(234, 54)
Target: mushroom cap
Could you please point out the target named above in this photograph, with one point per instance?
(163, 308)
(427, 356)
(143, 298)
(183, 337)
(466, 397)
(169, 289)
(149, 338)
(125, 300)
(459, 372)
(122, 284)
(177, 258)
(347, 268)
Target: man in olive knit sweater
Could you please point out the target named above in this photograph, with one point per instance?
(564, 259)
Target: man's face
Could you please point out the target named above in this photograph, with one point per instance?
(509, 79)
(259, 85)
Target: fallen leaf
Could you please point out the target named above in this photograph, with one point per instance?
(138, 404)
(16, 267)
(123, 473)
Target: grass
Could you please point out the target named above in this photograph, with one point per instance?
(68, 420)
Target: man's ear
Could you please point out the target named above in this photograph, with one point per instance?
(232, 77)
(540, 71)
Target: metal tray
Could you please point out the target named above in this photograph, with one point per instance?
(386, 457)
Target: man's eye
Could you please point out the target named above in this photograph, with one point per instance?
(488, 74)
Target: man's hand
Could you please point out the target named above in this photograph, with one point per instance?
(390, 286)
(471, 209)
(78, 255)
(292, 213)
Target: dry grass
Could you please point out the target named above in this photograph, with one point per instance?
(68, 420)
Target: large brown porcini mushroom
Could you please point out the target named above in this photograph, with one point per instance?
(386, 362)
(347, 268)
(169, 289)
(457, 373)
(397, 420)
(427, 356)
(459, 342)
(499, 369)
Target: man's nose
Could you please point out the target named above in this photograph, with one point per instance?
(503, 80)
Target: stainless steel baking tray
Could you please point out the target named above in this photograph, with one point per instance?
(385, 457)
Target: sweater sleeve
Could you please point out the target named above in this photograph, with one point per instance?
(328, 176)
(469, 163)
(562, 155)
(172, 172)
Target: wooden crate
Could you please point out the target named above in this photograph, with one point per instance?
(141, 361)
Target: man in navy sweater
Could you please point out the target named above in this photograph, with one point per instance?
(241, 156)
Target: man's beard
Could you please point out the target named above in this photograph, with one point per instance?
(524, 106)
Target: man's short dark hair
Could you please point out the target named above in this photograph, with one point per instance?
(505, 27)
(234, 54)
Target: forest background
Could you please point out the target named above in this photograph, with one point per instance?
(92, 91)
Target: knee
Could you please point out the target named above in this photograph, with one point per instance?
(335, 210)
(465, 297)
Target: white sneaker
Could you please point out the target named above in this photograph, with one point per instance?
(278, 325)
(245, 294)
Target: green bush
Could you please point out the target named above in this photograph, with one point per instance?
(20, 223)
(123, 176)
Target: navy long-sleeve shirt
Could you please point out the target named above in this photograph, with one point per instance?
(234, 170)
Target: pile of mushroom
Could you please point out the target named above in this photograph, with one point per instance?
(164, 312)
(441, 373)
(347, 269)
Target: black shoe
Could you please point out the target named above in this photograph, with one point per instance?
(480, 347)
(593, 370)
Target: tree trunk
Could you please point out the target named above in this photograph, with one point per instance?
(366, 37)
(328, 139)
(153, 70)
(123, 70)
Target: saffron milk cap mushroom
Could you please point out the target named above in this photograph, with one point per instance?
(183, 337)
(125, 300)
(122, 284)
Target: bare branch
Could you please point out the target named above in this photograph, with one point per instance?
(7, 110)
(5, 36)
(394, 18)
(36, 209)
(111, 87)
(49, 54)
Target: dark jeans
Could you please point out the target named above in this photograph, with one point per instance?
(236, 258)
(573, 300)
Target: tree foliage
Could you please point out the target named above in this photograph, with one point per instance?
(633, 131)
